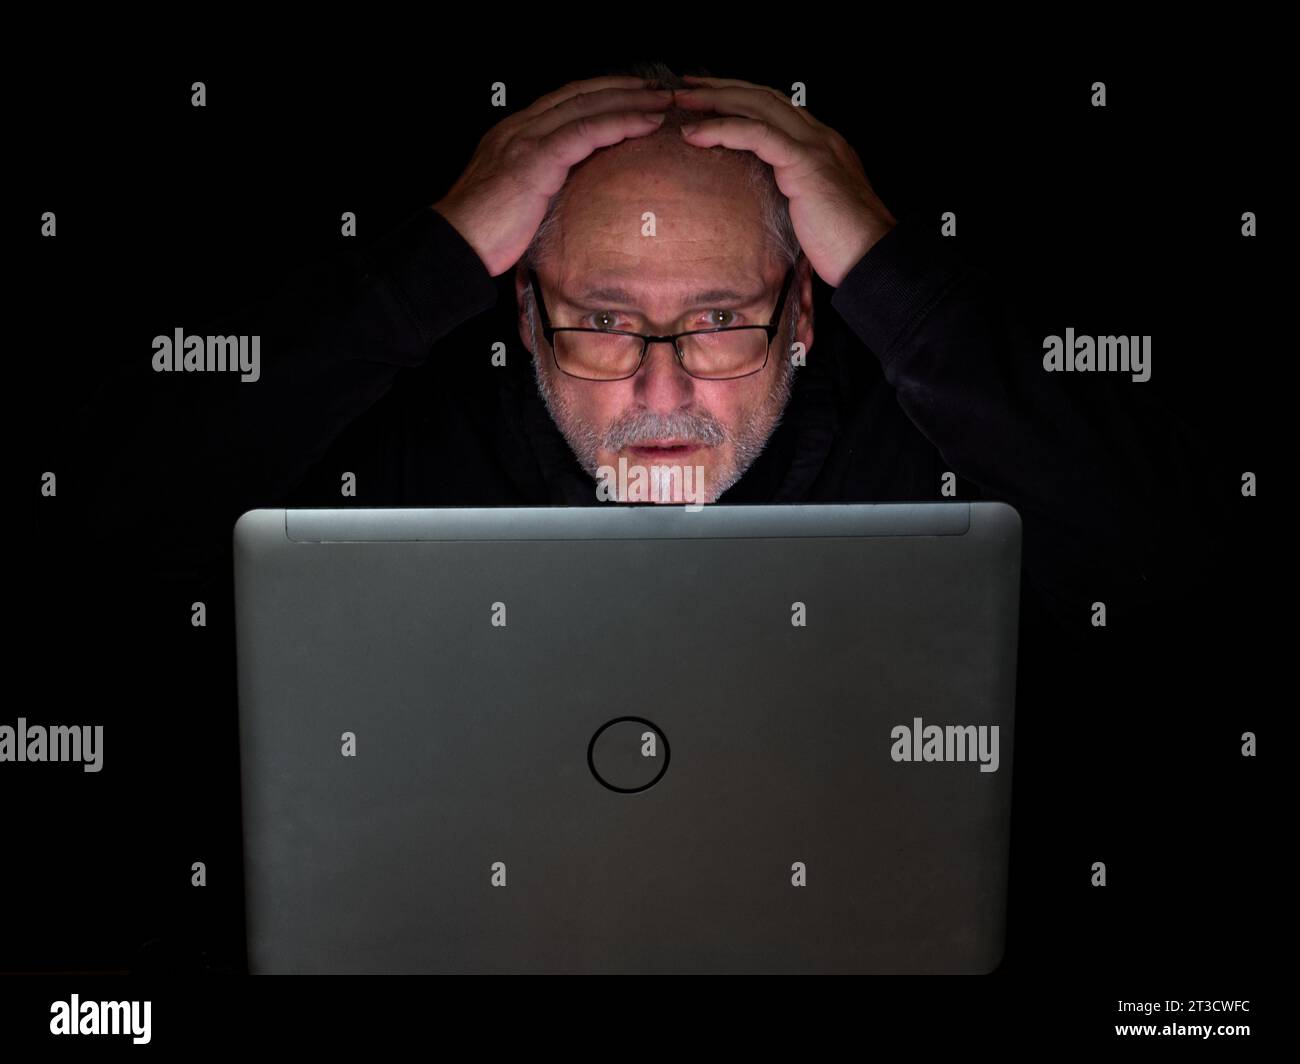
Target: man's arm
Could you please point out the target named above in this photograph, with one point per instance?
(969, 374)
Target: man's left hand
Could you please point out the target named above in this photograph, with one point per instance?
(836, 214)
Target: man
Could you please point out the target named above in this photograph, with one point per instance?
(667, 232)
(615, 217)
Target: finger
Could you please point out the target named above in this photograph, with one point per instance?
(750, 103)
(731, 83)
(592, 103)
(735, 83)
(775, 147)
(545, 103)
(710, 79)
(567, 146)
(574, 88)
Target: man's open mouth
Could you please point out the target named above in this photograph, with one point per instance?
(663, 449)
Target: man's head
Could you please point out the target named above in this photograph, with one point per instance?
(719, 224)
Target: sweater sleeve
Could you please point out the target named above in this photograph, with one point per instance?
(1078, 462)
(198, 452)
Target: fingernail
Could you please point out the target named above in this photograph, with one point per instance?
(656, 118)
(689, 129)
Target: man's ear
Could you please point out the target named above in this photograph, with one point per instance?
(521, 288)
(802, 288)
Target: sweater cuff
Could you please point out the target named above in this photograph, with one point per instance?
(434, 274)
(895, 284)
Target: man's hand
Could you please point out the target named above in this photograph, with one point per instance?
(837, 216)
(501, 198)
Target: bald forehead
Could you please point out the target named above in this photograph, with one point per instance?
(701, 203)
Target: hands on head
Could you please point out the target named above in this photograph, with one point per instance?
(500, 200)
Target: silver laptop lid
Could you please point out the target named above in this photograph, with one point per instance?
(627, 739)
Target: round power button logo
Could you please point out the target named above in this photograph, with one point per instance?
(628, 754)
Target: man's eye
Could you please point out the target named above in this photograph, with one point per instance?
(720, 319)
(602, 319)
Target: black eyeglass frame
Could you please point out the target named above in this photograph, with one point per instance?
(549, 331)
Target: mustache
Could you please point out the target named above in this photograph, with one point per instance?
(635, 426)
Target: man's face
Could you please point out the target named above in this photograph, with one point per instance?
(604, 273)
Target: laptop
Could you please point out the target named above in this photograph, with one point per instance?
(627, 739)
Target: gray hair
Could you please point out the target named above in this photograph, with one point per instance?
(758, 175)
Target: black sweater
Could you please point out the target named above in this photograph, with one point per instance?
(921, 368)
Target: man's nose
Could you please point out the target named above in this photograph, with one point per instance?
(662, 384)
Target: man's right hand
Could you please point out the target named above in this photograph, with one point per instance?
(500, 200)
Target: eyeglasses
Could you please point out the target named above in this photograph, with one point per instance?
(725, 353)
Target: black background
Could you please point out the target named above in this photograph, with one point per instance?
(1121, 219)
